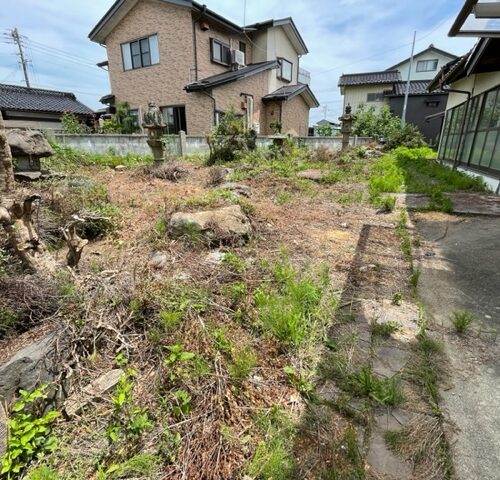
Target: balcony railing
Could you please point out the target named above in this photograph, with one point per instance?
(304, 76)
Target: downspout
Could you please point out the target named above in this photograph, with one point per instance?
(195, 43)
(249, 112)
(214, 103)
(464, 121)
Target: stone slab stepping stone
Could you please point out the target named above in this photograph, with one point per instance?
(406, 315)
(215, 225)
(383, 461)
(237, 188)
(463, 202)
(311, 174)
(3, 431)
(95, 389)
(389, 361)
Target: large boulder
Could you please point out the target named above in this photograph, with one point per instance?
(28, 143)
(220, 225)
(31, 366)
(3, 431)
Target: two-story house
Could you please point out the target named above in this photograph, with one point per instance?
(388, 87)
(195, 65)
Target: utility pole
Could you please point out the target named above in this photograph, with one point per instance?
(407, 92)
(14, 34)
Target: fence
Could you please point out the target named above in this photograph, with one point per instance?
(182, 144)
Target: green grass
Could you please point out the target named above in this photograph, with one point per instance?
(67, 159)
(415, 170)
(462, 320)
(273, 458)
(290, 308)
(384, 391)
(42, 473)
(385, 330)
(243, 361)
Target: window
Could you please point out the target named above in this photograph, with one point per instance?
(243, 48)
(220, 53)
(175, 119)
(285, 70)
(134, 115)
(140, 53)
(375, 97)
(479, 145)
(432, 103)
(427, 65)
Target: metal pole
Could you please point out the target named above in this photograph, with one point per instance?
(17, 40)
(407, 92)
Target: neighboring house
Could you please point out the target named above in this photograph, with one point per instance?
(38, 108)
(195, 65)
(471, 130)
(334, 126)
(388, 87)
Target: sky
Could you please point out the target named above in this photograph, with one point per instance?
(343, 36)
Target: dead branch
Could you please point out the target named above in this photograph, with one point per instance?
(75, 243)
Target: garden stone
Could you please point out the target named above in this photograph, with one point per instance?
(222, 224)
(28, 368)
(28, 143)
(120, 168)
(95, 389)
(158, 260)
(311, 174)
(238, 188)
(215, 258)
(383, 461)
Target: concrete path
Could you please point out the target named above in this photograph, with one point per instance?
(463, 202)
(460, 267)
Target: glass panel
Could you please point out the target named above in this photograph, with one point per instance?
(145, 45)
(126, 57)
(136, 61)
(469, 139)
(495, 162)
(134, 47)
(478, 148)
(489, 106)
(489, 146)
(217, 51)
(146, 59)
(154, 50)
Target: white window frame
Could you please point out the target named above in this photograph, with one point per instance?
(153, 52)
(280, 73)
(422, 65)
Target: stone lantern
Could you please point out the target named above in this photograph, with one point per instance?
(346, 129)
(154, 124)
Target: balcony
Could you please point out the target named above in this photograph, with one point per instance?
(304, 76)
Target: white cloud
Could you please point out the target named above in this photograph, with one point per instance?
(342, 36)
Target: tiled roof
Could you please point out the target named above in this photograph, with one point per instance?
(417, 87)
(289, 91)
(14, 97)
(231, 76)
(285, 92)
(370, 78)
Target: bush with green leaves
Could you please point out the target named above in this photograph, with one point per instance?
(30, 433)
(228, 139)
(382, 125)
(71, 124)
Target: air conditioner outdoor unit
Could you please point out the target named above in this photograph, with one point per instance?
(238, 58)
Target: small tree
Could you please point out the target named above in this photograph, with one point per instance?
(71, 124)
(383, 126)
(324, 130)
(227, 139)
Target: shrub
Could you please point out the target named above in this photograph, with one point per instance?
(228, 139)
(71, 124)
(383, 126)
(29, 432)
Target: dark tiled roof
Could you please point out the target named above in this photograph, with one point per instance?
(289, 91)
(285, 92)
(14, 97)
(370, 78)
(231, 76)
(417, 87)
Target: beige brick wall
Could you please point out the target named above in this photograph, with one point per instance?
(164, 83)
(295, 117)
